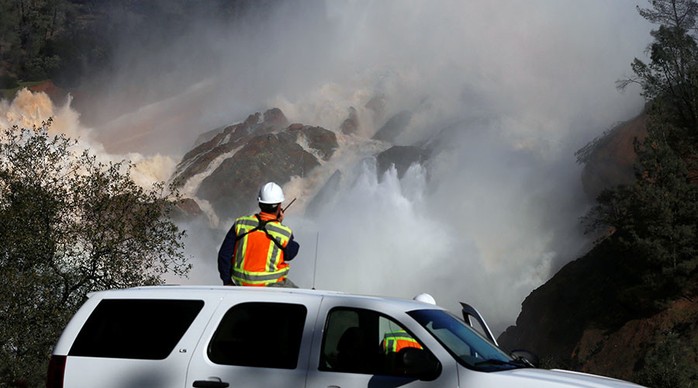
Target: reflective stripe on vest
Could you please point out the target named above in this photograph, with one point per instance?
(257, 260)
(396, 340)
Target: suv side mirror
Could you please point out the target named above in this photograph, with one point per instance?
(526, 356)
(419, 363)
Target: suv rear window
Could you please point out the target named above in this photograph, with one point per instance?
(133, 328)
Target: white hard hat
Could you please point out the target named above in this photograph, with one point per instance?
(271, 193)
(425, 298)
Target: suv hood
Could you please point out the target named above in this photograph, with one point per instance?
(564, 378)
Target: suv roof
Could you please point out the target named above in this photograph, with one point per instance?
(174, 291)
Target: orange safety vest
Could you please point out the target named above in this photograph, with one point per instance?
(399, 339)
(258, 257)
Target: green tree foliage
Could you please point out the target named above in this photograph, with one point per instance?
(71, 41)
(29, 29)
(670, 364)
(673, 13)
(651, 226)
(69, 225)
(670, 80)
(655, 220)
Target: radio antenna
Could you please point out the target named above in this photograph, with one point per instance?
(317, 239)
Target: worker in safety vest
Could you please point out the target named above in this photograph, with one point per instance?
(256, 249)
(399, 339)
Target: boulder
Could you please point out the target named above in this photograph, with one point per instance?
(351, 124)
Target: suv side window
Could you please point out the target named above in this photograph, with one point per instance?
(147, 329)
(364, 341)
(259, 334)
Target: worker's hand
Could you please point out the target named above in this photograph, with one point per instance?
(280, 214)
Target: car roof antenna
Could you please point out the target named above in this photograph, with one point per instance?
(317, 240)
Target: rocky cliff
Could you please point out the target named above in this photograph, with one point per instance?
(227, 165)
(585, 318)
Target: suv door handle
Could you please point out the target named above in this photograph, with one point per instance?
(210, 384)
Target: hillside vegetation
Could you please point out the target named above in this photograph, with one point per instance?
(71, 41)
(628, 308)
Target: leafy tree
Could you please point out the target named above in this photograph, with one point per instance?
(654, 222)
(69, 225)
(651, 225)
(672, 13)
(670, 81)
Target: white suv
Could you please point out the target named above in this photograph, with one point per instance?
(210, 337)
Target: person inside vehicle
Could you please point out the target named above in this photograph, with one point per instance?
(396, 340)
(257, 248)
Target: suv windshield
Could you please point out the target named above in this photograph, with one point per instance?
(466, 345)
